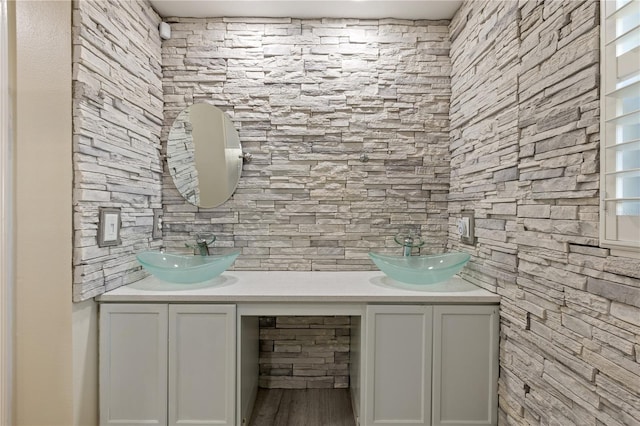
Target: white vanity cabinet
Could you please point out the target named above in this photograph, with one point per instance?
(133, 364)
(431, 365)
(171, 354)
(202, 364)
(165, 364)
(398, 365)
(465, 365)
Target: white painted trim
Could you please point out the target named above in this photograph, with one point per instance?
(629, 249)
(305, 309)
(603, 70)
(247, 366)
(6, 235)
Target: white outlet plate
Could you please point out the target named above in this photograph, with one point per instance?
(466, 224)
(157, 224)
(463, 227)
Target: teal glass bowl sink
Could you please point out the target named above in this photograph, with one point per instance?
(427, 269)
(185, 269)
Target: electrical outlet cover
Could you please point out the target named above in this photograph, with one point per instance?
(463, 227)
(157, 224)
(467, 219)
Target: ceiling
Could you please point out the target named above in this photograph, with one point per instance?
(363, 9)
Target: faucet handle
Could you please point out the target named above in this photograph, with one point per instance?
(202, 240)
(409, 239)
(202, 243)
(205, 238)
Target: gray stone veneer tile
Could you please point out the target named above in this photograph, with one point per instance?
(525, 75)
(117, 117)
(308, 97)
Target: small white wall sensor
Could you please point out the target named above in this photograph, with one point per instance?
(165, 30)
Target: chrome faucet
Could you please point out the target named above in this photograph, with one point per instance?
(202, 243)
(203, 247)
(407, 246)
(408, 241)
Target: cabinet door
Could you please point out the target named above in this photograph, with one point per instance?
(133, 364)
(202, 350)
(398, 365)
(465, 365)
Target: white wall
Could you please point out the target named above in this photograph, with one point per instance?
(43, 372)
(85, 363)
(7, 125)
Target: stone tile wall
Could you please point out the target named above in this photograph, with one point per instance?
(308, 97)
(304, 352)
(524, 156)
(117, 118)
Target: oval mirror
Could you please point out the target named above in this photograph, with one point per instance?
(204, 155)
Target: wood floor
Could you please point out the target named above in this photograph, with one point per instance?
(302, 407)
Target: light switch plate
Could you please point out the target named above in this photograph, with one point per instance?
(468, 236)
(463, 227)
(157, 224)
(109, 224)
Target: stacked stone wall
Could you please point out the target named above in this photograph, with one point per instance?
(309, 98)
(117, 118)
(304, 352)
(525, 156)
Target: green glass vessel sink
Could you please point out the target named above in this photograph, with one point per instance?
(185, 269)
(427, 269)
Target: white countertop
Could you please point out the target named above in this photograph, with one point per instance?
(300, 287)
